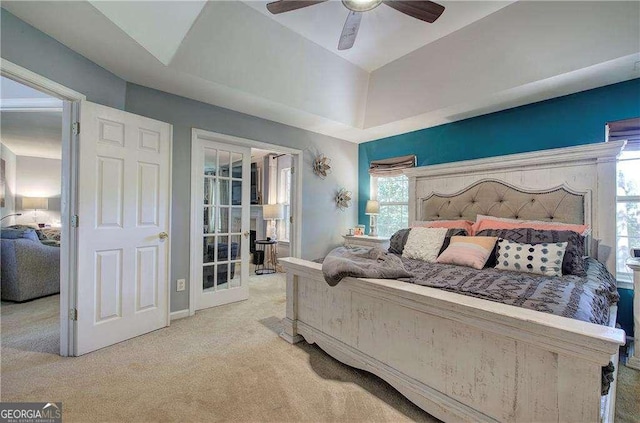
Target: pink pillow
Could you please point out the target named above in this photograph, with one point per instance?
(485, 222)
(470, 251)
(457, 224)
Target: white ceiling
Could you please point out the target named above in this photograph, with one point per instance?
(33, 134)
(33, 126)
(160, 30)
(385, 34)
(478, 58)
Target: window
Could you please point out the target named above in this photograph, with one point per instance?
(628, 210)
(284, 196)
(393, 194)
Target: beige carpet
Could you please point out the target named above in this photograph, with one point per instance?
(224, 364)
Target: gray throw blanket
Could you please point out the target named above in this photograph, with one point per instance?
(362, 262)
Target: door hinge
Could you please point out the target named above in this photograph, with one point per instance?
(75, 221)
(73, 314)
(293, 170)
(290, 219)
(76, 128)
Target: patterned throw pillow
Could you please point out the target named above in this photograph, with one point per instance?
(573, 262)
(399, 239)
(543, 259)
(424, 243)
(469, 251)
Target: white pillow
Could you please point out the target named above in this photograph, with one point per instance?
(543, 259)
(424, 243)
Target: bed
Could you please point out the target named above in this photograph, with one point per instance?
(462, 358)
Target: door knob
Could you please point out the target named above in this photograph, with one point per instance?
(163, 235)
(246, 234)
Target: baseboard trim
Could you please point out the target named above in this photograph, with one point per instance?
(180, 314)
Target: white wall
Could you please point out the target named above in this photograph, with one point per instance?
(10, 184)
(37, 177)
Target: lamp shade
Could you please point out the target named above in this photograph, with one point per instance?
(373, 207)
(35, 203)
(273, 211)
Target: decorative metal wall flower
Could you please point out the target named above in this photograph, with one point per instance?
(343, 199)
(321, 166)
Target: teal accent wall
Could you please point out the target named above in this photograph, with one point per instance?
(625, 310)
(560, 122)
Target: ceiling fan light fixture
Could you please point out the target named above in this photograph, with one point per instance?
(361, 5)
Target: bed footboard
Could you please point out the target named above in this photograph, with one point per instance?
(459, 358)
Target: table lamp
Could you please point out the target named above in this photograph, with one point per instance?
(373, 210)
(35, 204)
(273, 212)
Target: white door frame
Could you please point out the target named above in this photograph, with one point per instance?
(295, 245)
(68, 244)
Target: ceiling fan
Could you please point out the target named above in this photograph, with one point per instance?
(427, 11)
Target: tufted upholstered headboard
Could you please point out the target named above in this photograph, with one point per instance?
(497, 198)
(572, 185)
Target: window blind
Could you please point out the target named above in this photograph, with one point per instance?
(393, 166)
(628, 129)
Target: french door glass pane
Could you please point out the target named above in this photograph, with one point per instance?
(236, 193)
(236, 219)
(210, 162)
(209, 191)
(209, 219)
(208, 249)
(224, 157)
(236, 243)
(223, 221)
(223, 193)
(236, 166)
(208, 278)
(222, 277)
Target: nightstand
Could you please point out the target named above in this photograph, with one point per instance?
(634, 356)
(366, 241)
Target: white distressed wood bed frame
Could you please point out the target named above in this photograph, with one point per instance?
(462, 358)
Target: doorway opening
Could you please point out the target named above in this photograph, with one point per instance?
(31, 216)
(248, 192)
(270, 224)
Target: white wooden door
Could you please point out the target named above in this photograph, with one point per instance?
(124, 178)
(220, 223)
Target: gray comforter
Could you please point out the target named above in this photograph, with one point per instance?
(361, 262)
(586, 298)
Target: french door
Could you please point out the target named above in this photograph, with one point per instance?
(220, 223)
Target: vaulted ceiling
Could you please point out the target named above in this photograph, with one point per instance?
(401, 75)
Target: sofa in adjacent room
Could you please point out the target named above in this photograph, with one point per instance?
(28, 268)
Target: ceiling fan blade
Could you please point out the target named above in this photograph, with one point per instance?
(350, 30)
(427, 11)
(282, 6)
